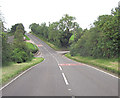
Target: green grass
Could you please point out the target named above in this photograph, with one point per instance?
(72, 38)
(9, 72)
(50, 44)
(33, 48)
(27, 38)
(110, 65)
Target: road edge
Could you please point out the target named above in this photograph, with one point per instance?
(19, 76)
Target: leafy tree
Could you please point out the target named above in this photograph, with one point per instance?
(66, 23)
(6, 49)
(14, 27)
(20, 53)
(33, 28)
(58, 33)
(100, 40)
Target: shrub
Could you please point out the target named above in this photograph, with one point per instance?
(20, 56)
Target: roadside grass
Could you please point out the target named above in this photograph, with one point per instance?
(33, 48)
(110, 65)
(27, 38)
(11, 71)
(51, 44)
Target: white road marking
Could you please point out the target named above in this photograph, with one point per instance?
(101, 71)
(73, 96)
(60, 68)
(48, 51)
(87, 66)
(18, 77)
(65, 79)
(52, 55)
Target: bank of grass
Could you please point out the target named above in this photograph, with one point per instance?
(51, 44)
(33, 48)
(27, 38)
(11, 71)
(110, 65)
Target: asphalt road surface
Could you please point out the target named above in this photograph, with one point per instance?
(60, 76)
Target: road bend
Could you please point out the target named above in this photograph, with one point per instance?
(60, 76)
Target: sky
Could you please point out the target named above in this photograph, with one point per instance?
(39, 11)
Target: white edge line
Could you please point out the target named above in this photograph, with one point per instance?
(65, 79)
(90, 66)
(49, 52)
(60, 67)
(97, 69)
(51, 55)
(18, 76)
(101, 71)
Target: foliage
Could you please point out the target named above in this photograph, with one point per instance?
(9, 73)
(16, 27)
(101, 40)
(32, 47)
(17, 51)
(6, 49)
(19, 56)
(26, 37)
(110, 65)
(57, 33)
(21, 53)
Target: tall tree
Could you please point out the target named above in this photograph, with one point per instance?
(14, 27)
(66, 23)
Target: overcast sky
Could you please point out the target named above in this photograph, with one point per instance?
(38, 11)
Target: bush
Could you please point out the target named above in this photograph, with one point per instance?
(20, 56)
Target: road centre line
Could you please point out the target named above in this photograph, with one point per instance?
(60, 68)
(65, 79)
(52, 55)
(91, 67)
(48, 52)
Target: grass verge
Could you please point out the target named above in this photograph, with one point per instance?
(51, 44)
(9, 72)
(110, 65)
(27, 38)
(33, 48)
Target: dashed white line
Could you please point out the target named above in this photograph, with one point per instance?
(52, 55)
(60, 68)
(69, 89)
(65, 79)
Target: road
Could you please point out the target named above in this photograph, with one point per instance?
(60, 76)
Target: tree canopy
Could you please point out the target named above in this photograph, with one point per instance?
(102, 39)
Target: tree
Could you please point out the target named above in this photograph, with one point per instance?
(14, 27)
(58, 33)
(101, 40)
(6, 49)
(33, 27)
(20, 53)
(66, 23)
